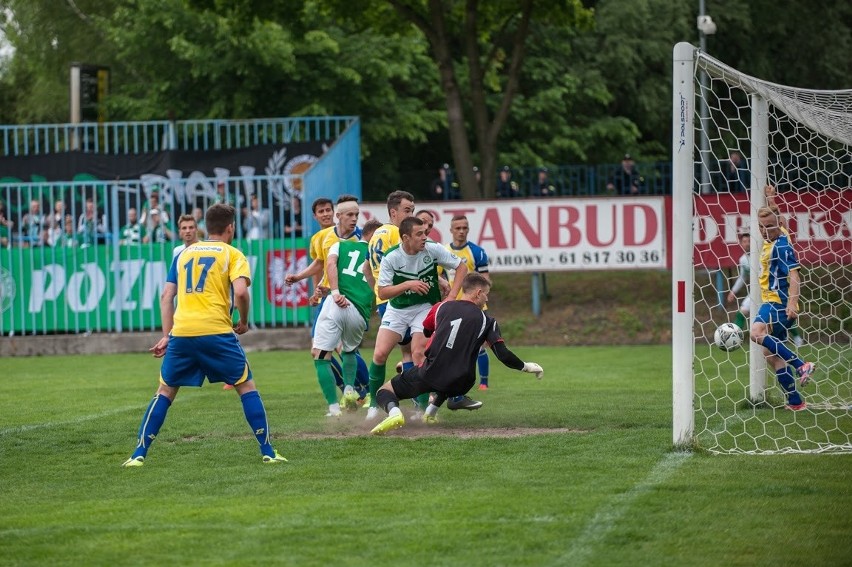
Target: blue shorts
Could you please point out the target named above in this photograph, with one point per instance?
(218, 357)
(774, 315)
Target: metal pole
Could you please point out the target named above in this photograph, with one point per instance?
(704, 114)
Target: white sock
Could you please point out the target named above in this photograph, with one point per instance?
(431, 410)
(334, 408)
(394, 411)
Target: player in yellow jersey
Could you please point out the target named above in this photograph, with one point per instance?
(323, 210)
(199, 340)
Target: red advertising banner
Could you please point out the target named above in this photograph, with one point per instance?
(820, 225)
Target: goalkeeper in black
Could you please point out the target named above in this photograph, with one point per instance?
(457, 330)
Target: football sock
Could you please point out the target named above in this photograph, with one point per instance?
(422, 401)
(778, 348)
(362, 375)
(482, 362)
(407, 365)
(325, 377)
(337, 371)
(788, 382)
(153, 419)
(740, 320)
(256, 417)
(377, 378)
(387, 400)
(431, 410)
(350, 368)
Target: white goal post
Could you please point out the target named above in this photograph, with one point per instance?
(733, 135)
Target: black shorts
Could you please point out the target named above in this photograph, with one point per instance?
(411, 384)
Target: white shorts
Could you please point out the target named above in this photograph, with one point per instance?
(336, 325)
(400, 320)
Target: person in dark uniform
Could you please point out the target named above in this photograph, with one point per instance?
(457, 329)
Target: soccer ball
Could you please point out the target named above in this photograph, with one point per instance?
(728, 336)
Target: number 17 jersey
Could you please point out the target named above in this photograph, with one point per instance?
(203, 273)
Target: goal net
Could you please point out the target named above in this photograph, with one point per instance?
(734, 135)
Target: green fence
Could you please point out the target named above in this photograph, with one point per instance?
(93, 289)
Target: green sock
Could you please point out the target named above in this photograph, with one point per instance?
(795, 332)
(377, 378)
(350, 368)
(325, 377)
(422, 401)
(740, 320)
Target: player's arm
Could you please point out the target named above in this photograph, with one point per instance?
(314, 269)
(368, 274)
(506, 356)
(793, 294)
(242, 301)
(429, 322)
(332, 276)
(461, 272)
(390, 291)
(738, 285)
(167, 314)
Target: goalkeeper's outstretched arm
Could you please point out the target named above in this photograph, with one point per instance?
(511, 360)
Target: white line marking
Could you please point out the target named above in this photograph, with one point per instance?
(604, 521)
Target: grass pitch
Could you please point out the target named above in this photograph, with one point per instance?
(604, 489)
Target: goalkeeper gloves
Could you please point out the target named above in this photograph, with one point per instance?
(534, 368)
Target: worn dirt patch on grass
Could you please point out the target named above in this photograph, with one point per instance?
(419, 430)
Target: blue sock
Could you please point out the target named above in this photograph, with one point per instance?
(337, 370)
(484, 366)
(153, 419)
(407, 365)
(788, 382)
(778, 348)
(362, 376)
(256, 418)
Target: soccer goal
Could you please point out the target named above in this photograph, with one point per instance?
(732, 135)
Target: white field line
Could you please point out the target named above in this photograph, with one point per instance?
(82, 419)
(599, 527)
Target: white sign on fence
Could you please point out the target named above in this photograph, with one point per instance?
(537, 235)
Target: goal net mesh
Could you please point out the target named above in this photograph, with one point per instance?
(749, 133)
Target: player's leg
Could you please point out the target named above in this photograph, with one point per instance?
(225, 361)
(403, 386)
(386, 339)
(327, 334)
(179, 368)
(152, 421)
(484, 367)
(769, 330)
(352, 334)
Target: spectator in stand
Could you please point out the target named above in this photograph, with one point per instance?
(543, 186)
(153, 203)
(68, 239)
(133, 232)
(478, 176)
(735, 176)
(506, 187)
(32, 224)
(90, 226)
(444, 187)
(625, 180)
(52, 231)
(198, 215)
(256, 220)
(160, 232)
(293, 218)
(6, 226)
(58, 216)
